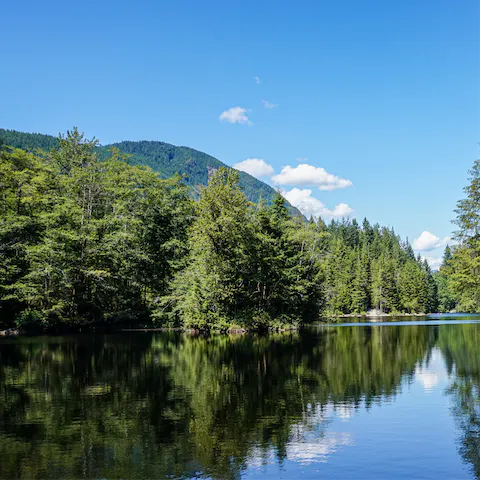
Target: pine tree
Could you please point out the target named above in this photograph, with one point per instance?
(101, 238)
(85, 238)
(464, 267)
(339, 277)
(431, 303)
(384, 286)
(211, 290)
(361, 281)
(447, 256)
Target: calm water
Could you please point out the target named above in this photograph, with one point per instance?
(377, 401)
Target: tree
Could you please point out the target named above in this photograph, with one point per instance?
(431, 299)
(210, 291)
(384, 285)
(361, 281)
(468, 209)
(299, 250)
(447, 298)
(339, 276)
(86, 240)
(463, 268)
(26, 186)
(85, 237)
(447, 256)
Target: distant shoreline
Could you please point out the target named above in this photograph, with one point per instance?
(103, 329)
(380, 315)
(16, 332)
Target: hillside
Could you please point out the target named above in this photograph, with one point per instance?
(164, 158)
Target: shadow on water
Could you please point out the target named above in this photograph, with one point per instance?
(460, 348)
(152, 405)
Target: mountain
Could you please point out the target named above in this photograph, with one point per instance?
(164, 158)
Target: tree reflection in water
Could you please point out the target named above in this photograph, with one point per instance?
(460, 347)
(152, 405)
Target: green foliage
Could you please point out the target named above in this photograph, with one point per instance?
(464, 275)
(447, 299)
(460, 349)
(166, 159)
(31, 319)
(371, 268)
(212, 285)
(27, 141)
(86, 237)
(84, 240)
(246, 266)
(462, 269)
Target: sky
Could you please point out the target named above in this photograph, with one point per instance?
(360, 109)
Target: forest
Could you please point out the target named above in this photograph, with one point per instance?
(87, 238)
(164, 158)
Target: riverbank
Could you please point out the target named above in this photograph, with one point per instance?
(377, 315)
(15, 332)
(11, 332)
(233, 330)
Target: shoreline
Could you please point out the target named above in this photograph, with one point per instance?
(380, 315)
(105, 329)
(17, 332)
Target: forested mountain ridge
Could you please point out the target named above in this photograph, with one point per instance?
(163, 158)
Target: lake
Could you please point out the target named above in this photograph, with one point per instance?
(391, 399)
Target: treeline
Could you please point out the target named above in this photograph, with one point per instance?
(459, 276)
(164, 158)
(85, 240)
(370, 267)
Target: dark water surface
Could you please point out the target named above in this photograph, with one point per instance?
(372, 401)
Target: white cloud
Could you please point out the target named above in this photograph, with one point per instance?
(345, 412)
(427, 379)
(310, 206)
(305, 174)
(434, 262)
(255, 166)
(235, 115)
(318, 449)
(428, 241)
(269, 105)
(305, 449)
(257, 80)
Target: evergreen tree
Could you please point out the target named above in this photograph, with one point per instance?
(210, 291)
(86, 238)
(463, 269)
(447, 256)
(447, 298)
(431, 303)
(384, 286)
(361, 282)
(88, 255)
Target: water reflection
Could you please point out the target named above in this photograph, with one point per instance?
(149, 406)
(461, 350)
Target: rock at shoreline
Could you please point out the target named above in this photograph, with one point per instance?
(10, 332)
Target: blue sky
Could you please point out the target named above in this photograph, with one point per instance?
(384, 95)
